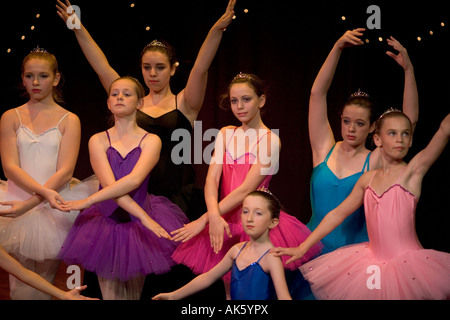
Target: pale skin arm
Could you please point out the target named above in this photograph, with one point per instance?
(333, 219)
(118, 190)
(422, 161)
(33, 279)
(234, 199)
(410, 94)
(193, 94)
(278, 276)
(204, 280)
(217, 225)
(320, 132)
(67, 157)
(91, 50)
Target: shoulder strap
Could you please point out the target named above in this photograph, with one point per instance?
(62, 119)
(241, 250)
(228, 142)
(262, 256)
(373, 175)
(176, 102)
(329, 154)
(257, 142)
(18, 114)
(366, 164)
(109, 139)
(142, 139)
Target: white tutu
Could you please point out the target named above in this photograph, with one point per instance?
(39, 233)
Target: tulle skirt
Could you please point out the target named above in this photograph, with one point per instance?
(354, 273)
(123, 250)
(39, 233)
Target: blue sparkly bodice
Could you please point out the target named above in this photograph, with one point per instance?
(251, 283)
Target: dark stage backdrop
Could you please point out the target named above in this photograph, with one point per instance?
(284, 42)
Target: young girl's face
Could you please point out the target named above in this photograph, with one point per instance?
(39, 78)
(245, 103)
(395, 137)
(255, 217)
(355, 125)
(156, 70)
(123, 99)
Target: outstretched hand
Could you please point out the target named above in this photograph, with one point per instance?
(351, 38)
(76, 205)
(154, 227)
(402, 58)
(75, 294)
(188, 231)
(225, 20)
(295, 253)
(16, 208)
(163, 296)
(62, 11)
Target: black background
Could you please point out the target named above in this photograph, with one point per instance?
(284, 42)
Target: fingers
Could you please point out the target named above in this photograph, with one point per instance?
(81, 288)
(390, 54)
(216, 242)
(230, 6)
(292, 259)
(277, 252)
(228, 231)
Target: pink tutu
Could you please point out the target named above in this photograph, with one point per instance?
(354, 273)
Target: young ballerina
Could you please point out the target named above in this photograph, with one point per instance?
(39, 149)
(244, 159)
(164, 112)
(393, 264)
(13, 267)
(338, 165)
(255, 274)
(122, 236)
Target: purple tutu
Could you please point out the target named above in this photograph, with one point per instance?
(113, 247)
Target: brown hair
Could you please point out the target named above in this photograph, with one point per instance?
(272, 202)
(51, 59)
(390, 113)
(164, 47)
(140, 92)
(364, 101)
(259, 86)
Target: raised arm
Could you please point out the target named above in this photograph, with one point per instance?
(91, 50)
(194, 92)
(320, 133)
(410, 94)
(422, 161)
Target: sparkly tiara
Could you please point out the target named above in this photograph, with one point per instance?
(242, 76)
(264, 189)
(390, 110)
(39, 50)
(359, 93)
(156, 43)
